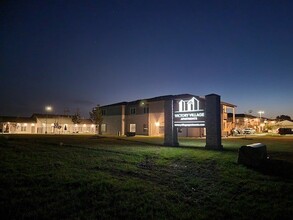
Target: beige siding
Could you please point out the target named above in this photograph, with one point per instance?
(156, 121)
(139, 120)
(113, 124)
(191, 132)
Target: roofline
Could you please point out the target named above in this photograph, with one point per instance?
(229, 104)
(162, 98)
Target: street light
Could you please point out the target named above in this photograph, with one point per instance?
(260, 112)
(48, 109)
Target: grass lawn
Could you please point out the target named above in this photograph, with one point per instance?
(92, 177)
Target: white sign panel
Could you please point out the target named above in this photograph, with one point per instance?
(189, 113)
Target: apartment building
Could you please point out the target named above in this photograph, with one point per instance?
(146, 117)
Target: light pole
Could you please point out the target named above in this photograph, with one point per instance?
(48, 109)
(260, 112)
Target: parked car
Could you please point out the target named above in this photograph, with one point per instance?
(235, 132)
(248, 131)
(283, 131)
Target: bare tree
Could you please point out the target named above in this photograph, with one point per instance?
(76, 118)
(97, 117)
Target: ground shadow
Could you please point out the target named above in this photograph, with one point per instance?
(275, 167)
(181, 146)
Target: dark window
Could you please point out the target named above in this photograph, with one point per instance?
(133, 111)
(146, 110)
(104, 112)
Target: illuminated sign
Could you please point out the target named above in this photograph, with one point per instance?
(189, 113)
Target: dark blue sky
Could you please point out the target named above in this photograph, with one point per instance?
(76, 54)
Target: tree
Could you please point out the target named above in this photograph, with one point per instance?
(76, 119)
(97, 117)
(283, 117)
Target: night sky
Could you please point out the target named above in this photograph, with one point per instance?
(77, 54)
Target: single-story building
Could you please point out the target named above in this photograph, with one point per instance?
(45, 123)
(146, 116)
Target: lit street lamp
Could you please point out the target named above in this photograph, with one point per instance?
(48, 109)
(260, 112)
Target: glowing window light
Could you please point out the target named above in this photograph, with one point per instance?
(32, 124)
(84, 125)
(157, 124)
(92, 125)
(25, 124)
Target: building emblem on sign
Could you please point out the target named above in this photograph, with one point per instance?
(190, 113)
(189, 105)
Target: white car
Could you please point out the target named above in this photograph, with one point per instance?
(248, 131)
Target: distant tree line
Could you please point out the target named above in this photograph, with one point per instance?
(283, 118)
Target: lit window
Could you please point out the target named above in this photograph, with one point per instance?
(23, 128)
(132, 128)
(103, 127)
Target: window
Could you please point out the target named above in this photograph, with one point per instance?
(132, 128)
(104, 112)
(103, 127)
(145, 128)
(146, 110)
(132, 110)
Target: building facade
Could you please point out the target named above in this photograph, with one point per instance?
(45, 124)
(259, 124)
(146, 117)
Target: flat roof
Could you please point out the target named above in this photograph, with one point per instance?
(162, 98)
